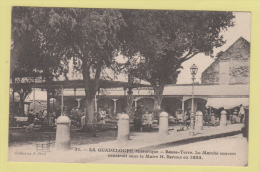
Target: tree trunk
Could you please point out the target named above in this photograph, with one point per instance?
(21, 106)
(130, 100)
(48, 104)
(89, 109)
(158, 91)
(91, 87)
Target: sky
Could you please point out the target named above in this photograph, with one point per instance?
(241, 28)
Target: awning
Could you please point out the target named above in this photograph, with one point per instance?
(227, 103)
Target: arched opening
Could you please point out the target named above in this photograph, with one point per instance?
(199, 104)
(147, 104)
(121, 105)
(170, 105)
(53, 105)
(82, 104)
(70, 103)
(106, 104)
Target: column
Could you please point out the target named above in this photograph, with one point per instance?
(96, 103)
(61, 108)
(48, 104)
(75, 89)
(34, 101)
(135, 103)
(78, 102)
(182, 105)
(115, 106)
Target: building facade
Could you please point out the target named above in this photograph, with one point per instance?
(225, 83)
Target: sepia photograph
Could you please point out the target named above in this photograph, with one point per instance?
(126, 86)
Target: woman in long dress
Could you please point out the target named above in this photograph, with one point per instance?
(212, 120)
(150, 121)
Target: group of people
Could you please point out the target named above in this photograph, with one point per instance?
(237, 116)
(209, 117)
(39, 120)
(183, 118)
(142, 119)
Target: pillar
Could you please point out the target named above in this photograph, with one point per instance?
(123, 128)
(96, 103)
(114, 106)
(191, 132)
(223, 118)
(61, 108)
(34, 101)
(182, 106)
(48, 104)
(63, 133)
(78, 102)
(163, 124)
(75, 90)
(199, 121)
(135, 103)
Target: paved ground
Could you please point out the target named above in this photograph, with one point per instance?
(146, 142)
(226, 151)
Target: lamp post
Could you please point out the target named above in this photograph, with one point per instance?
(193, 71)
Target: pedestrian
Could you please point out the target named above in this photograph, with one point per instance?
(212, 119)
(206, 117)
(150, 121)
(30, 119)
(138, 119)
(41, 116)
(45, 113)
(180, 117)
(145, 118)
(241, 113)
(94, 124)
(187, 117)
(234, 118)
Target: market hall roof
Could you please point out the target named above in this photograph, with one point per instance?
(79, 84)
(208, 90)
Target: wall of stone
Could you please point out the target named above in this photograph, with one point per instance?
(211, 74)
(238, 56)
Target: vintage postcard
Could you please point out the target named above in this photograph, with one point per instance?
(118, 86)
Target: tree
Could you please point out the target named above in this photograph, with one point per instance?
(34, 50)
(163, 40)
(89, 35)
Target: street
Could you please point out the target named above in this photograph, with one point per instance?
(226, 151)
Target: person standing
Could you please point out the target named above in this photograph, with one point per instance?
(241, 113)
(180, 117)
(94, 124)
(150, 121)
(212, 120)
(30, 119)
(206, 117)
(138, 119)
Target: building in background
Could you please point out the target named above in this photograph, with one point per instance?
(225, 83)
(231, 66)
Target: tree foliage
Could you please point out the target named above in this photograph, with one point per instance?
(34, 45)
(89, 35)
(34, 51)
(165, 39)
